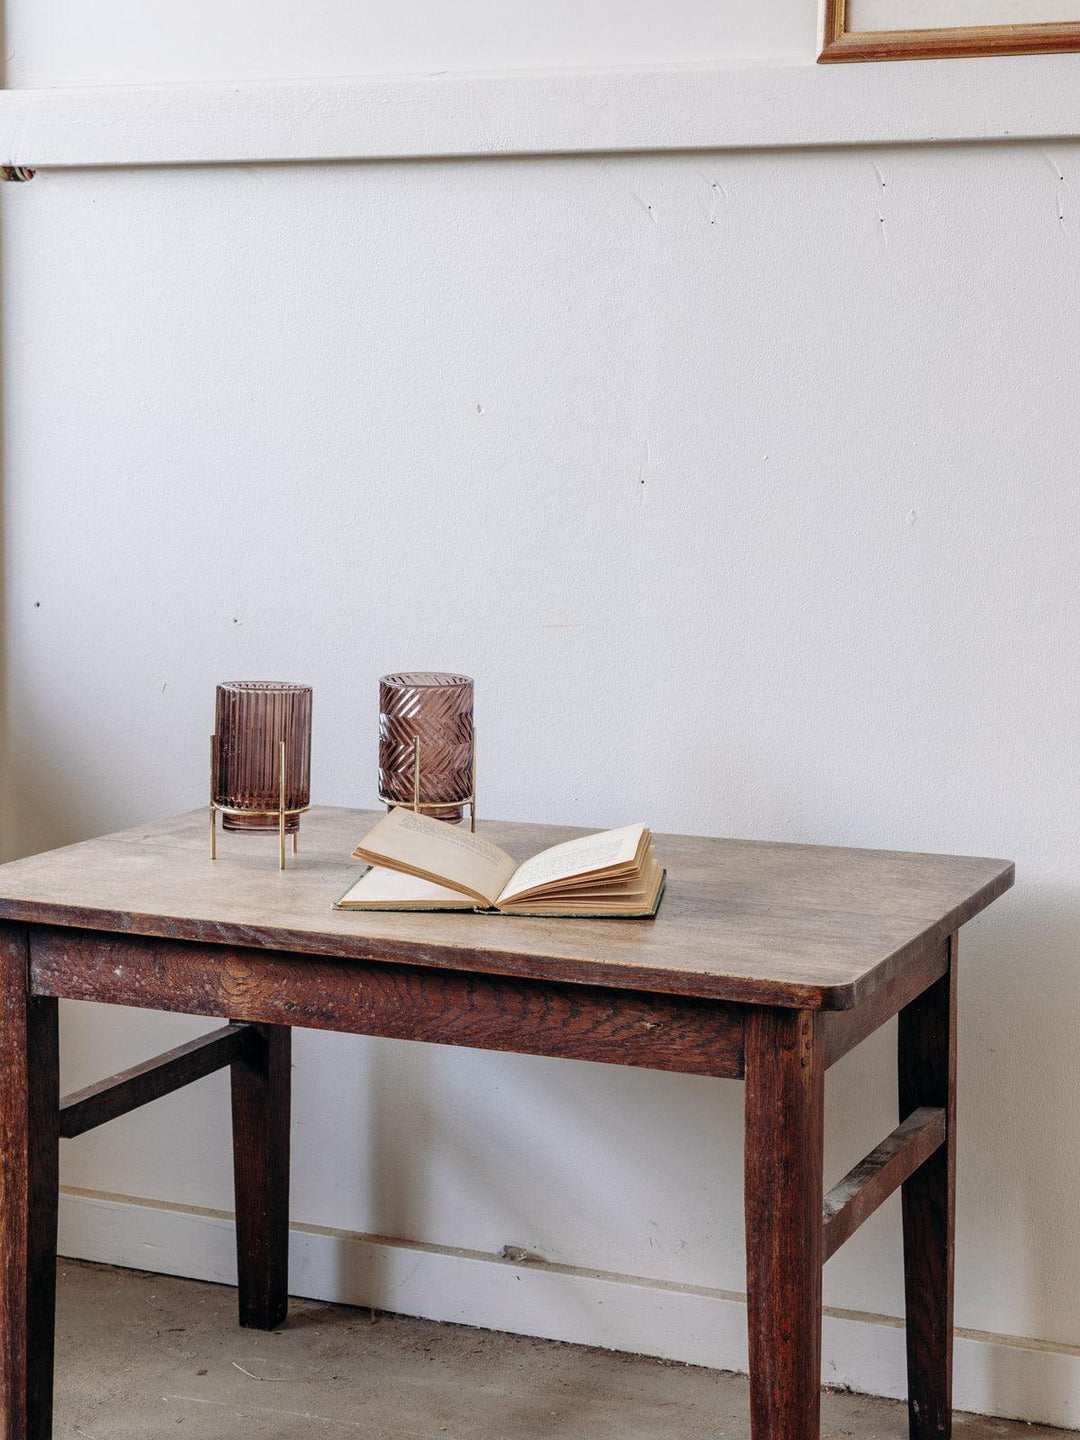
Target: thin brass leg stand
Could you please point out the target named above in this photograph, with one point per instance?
(433, 807)
(281, 804)
(281, 812)
(213, 792)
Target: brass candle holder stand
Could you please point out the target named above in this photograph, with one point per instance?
(282, 811)
(431, 806)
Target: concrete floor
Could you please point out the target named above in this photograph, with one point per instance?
(140, 1357)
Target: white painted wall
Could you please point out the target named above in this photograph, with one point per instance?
(66, 42)
(757, 472)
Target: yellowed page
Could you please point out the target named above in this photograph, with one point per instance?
(629, 886)
(631, 904)
(620, 878)
(378, 887)
(434, 850)
(587, 855)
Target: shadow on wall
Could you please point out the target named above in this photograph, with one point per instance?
(537, 1143)
(1019, 1145)
(69, 776)
(53, 792)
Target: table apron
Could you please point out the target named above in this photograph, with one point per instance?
(396, 1000)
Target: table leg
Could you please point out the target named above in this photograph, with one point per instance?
(261, 1091)
(785, 1073)
(29, 1155)
(927, 1075)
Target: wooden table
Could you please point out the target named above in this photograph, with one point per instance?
(766, 963)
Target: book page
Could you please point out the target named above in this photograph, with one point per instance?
(434, 850)
(379, 886)
(627, 885)
(584, 856)
(631, 904)
(621, 878)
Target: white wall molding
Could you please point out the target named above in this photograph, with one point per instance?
(994, 1375)
(747, 106)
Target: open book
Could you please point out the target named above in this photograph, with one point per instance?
(417, 863)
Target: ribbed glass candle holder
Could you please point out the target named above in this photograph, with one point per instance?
(437, 709)
(253, 717)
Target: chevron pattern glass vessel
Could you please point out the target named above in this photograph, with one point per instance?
(437, 710)
(253, 717)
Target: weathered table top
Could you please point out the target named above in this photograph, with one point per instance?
(801, 925)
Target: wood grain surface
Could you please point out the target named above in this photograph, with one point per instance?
(871, 1182)
(842, 1030)
(404, 1002)
(798, 925)
(261, 1116)
(29, 1181)
(926, 1055)
(951, 42)
(785, 1091)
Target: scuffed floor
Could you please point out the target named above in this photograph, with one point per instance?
(141, 1357)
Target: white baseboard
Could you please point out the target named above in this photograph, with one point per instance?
(994, 1375)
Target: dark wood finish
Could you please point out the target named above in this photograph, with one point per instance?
(927, 1076)
(785, 1075)
(952, 42)
(404, 1002)
(261, 1098)
(842, 1030)
(875, 1178)
(108, 1099)
(768, 960)
(807, 926)
(29, 1181)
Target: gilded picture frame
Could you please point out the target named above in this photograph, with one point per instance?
(841, 44)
